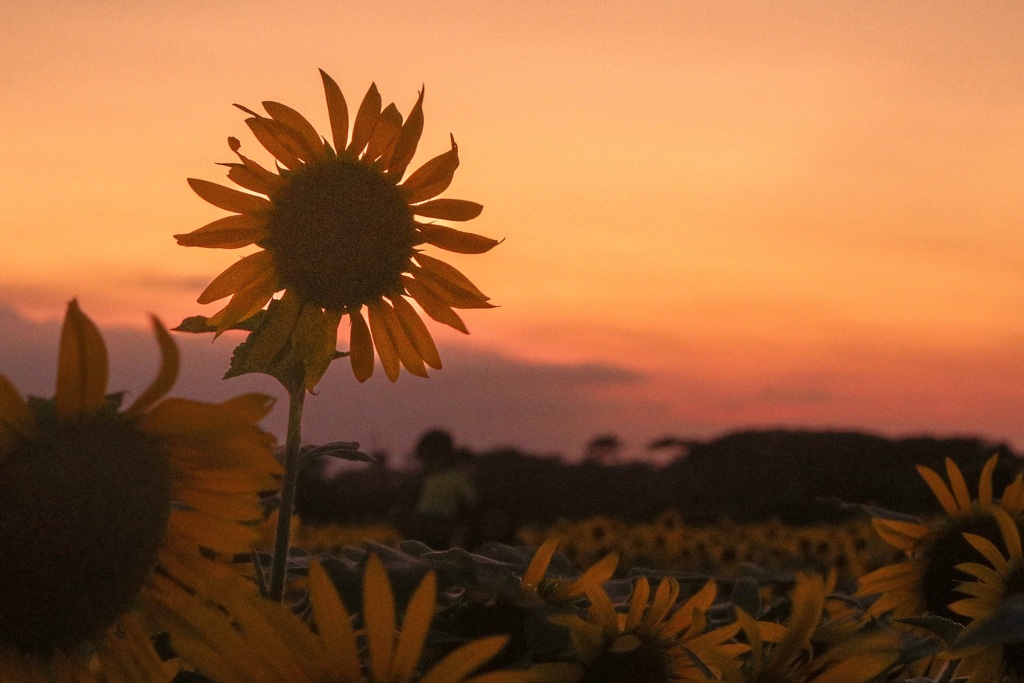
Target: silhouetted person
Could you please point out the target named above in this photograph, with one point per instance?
(448, 495)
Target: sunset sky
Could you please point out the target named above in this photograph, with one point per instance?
(716, 215)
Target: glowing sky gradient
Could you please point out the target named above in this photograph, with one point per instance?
(803, 214)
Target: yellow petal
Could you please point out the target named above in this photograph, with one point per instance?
(366, 120)
(942, 493)
(406, 349)
(239, 275)
(417, 332)
(457, 241)
(638, 603)
(450, 275)
(334, 625)
(433, 306)
(337, 110)
(82, 366)
(298, 124)
(230, 232)
(382, 341)
(170, 363)
(901, 535)
(379, 615)
(539, 564)
(596, 574)
(989, 551)
(448, 209)
(263, 181)
(247, 302)
(385, 133)
(958, 485)
(229, 199)
(408, 139)
(14, 412)
(415, 625)
(445, 291)
(454, 667)
(278, 141)
(985, 483)
(433, 177)
(360, 347)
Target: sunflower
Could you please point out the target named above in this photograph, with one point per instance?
(259, 641)
(785, 653)
(338, 229)
(553, 590)
(927, 579)
(1000, 578)
(104, 512)
(648, 644)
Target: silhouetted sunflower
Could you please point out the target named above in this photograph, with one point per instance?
(927, 579)
(995, 580)
(105, 512)
(338, 229)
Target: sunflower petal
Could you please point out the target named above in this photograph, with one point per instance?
(230, 232)
(337, 110)
(539, 563)
(638, 603)
(360, 347)
(942, 493)
(384, 135)
(228, 199)
(366, 120)
(454, 667)
(408, 139)
(433, 306)
(248, 301)
(238, 276)
(417, 332)
(433, 177)
(82, 366)
(298, 124)
(958, 485)
(450, 275)
(334, 625)
(278, 141)
(245, 176)
(595, 575)
(415, 625)
(985, 482)
(14, 412)
(379, 614)
(170, 363)
(448, 209)
(457, 241)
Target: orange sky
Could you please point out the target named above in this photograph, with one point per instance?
(781, 213)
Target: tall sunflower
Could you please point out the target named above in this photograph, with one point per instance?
(106, 513)
(927, 579)
(339, 231)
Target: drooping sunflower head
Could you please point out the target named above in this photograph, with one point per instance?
(339, 231)
(98, 503)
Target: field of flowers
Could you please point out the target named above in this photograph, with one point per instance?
(136, 548)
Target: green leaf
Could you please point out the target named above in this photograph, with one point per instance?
(946, 629)
(200, 323)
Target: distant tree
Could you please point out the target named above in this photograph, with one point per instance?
(603, 450)
(674, 447)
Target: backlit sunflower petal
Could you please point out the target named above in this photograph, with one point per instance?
(379, 615)
(1011, 535)
(316, 340)
(901, 535)
(433, 177)
(415, 625)
(408, 139)
(230, 200)
(417, 332)
(366, 120)
(450, 275)
(334, 625)
(384, 135)
(595, 575)
(276, 140)
(1013, 495)
(539, 563)
(247, 302)
(298, 124)
(456, 666)
(603, 612)
(360, 347)
(82, 366)
(988, 549)
(985, 482)
(14, 412)
(432, 306)
(337, 111)
(457, 241)
(245, 177)
(170, 363)
(382, 341)
(448, 209)
(250, 408)
(941, 491)
(238, 276)
(664, 597)
(230, 232)
(638, 603)
(958, 485)
(808, 601)
(407, 353)
(448, 293)
(681, 619)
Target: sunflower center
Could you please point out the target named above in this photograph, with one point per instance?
(948, 549)
(83, 511)
(341, 234)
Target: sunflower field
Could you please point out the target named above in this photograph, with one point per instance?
(154, 539)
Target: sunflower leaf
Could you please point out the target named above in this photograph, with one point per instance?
(946, 629)
(198, 324)
(1004, 625)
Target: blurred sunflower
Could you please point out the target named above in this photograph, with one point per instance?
(338, 229)
(927, 579)
(104, 512)
(648, 644)
(553, 590)
(1000, 577)
(259, 641)
(785, 653)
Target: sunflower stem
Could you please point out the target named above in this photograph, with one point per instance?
(292, 450)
